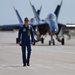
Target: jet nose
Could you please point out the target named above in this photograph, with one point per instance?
(56, 30)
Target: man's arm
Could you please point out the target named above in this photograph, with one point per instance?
(32, 35)
(19, 35)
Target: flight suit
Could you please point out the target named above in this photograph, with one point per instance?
(24, 38)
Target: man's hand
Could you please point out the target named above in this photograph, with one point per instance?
(33, 43)
(19, 43)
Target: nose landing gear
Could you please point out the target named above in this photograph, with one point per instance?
(52, 41)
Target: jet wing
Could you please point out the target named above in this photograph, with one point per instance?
(67, 26)
(17, 26)
(70, 27)
(10, 27)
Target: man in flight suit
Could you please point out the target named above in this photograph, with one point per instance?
(24, 40)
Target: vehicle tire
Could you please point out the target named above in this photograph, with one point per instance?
(42, 40)
(63, 41)
(49, 43)
(53, 42)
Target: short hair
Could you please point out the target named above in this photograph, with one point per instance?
(26, 19)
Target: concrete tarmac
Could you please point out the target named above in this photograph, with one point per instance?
(45, 59)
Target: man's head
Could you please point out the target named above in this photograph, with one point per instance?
(26, 20)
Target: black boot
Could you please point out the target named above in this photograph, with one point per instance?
(28, 64)
(24, 65)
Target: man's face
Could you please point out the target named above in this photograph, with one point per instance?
(26, 21)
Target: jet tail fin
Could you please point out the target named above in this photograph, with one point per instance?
(58, 9)
(39, 10)
(18, 15)
(36, 13)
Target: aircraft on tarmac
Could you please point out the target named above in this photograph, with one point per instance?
(48, 26)
(66, 31)
(51, 26)
(11, 27)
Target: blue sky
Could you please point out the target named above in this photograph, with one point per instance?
(8, 16)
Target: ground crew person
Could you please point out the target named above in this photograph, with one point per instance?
(24, 40)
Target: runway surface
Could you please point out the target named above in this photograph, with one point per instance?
(45, 60)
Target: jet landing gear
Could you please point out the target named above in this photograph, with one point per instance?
(62, 41)
(42, 40)
(52, 41)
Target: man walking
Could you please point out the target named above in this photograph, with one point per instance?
(24, 40)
